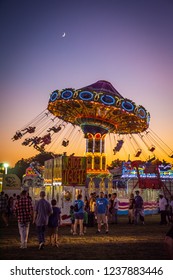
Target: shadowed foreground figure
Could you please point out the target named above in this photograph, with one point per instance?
(42, 211)
(23, 210)
(53, 223)
(168, 241)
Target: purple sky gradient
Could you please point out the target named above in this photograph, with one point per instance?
(128, 43)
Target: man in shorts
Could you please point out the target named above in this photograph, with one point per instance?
(79, 215)
(101, 212)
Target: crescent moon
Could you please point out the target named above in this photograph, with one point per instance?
(63, 35)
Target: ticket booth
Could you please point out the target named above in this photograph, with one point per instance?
(66, 176)
(73, 182)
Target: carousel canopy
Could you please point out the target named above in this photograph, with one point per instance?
(99, 108)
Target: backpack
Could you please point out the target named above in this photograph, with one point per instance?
(76, 208)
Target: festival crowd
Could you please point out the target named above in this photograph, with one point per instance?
(100, 210)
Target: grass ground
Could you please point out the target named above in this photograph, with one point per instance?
(124, 242)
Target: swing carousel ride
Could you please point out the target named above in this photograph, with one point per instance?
(98, 118)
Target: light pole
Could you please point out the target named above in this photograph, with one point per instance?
(6, 165)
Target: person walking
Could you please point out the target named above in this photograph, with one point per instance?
(139, 208)
(42, 211)
(53, 223)
(23, 209)
(78, 214)
(101, 212)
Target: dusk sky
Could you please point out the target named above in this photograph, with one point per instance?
(126, 42)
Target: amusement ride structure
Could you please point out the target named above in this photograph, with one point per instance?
(102, 117)
(98, 109)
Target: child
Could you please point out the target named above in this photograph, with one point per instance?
(54, 222)
(72, 218)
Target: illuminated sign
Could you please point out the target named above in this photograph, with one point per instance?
(147, 170)
(30, 172)
(73, 171)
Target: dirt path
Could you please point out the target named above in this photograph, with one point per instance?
(124, 242)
